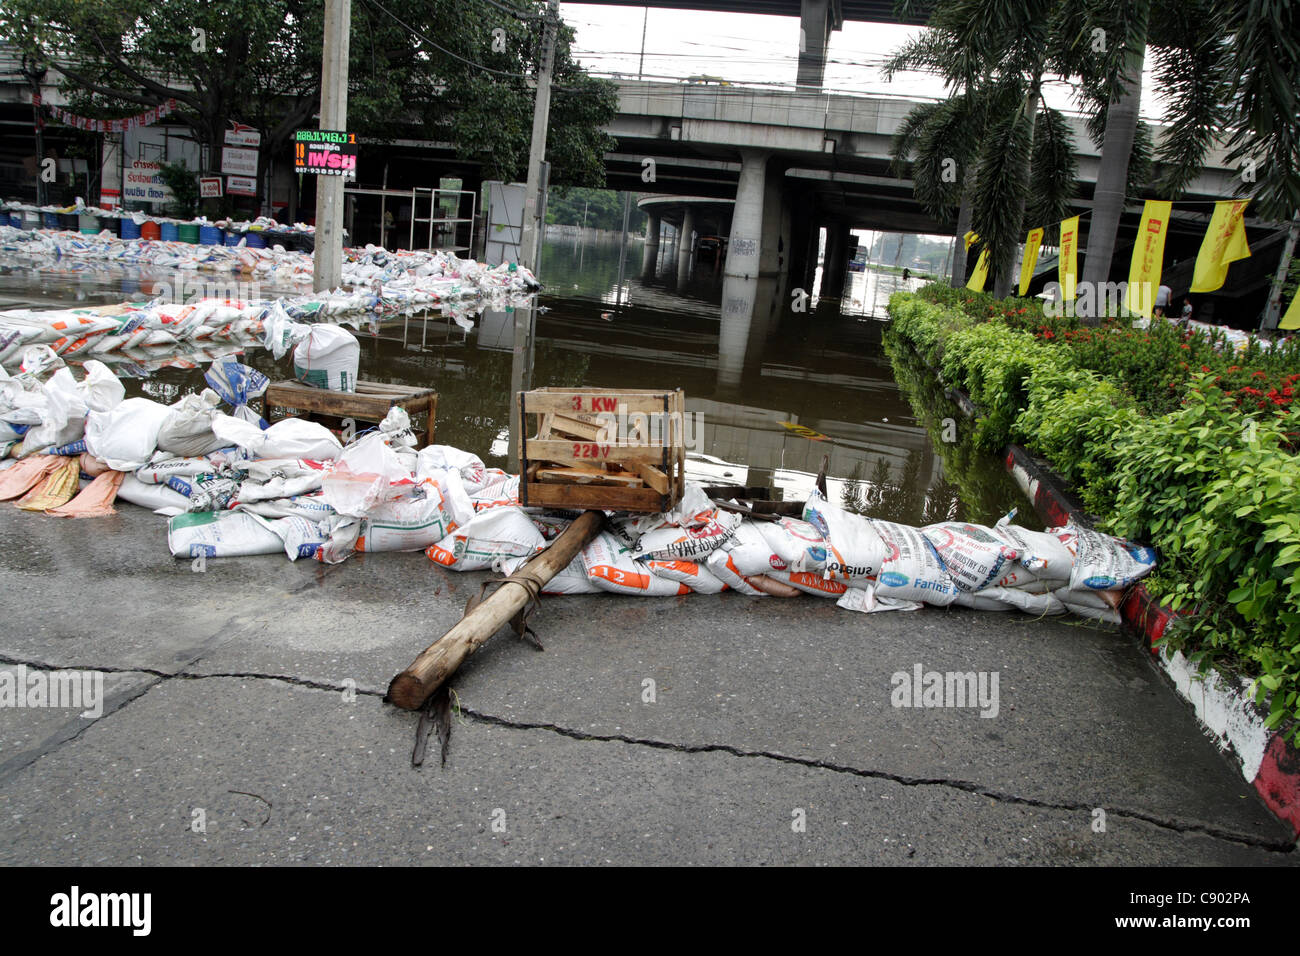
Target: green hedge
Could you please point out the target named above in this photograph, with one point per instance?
(1213, 483)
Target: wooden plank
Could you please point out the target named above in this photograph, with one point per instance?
(652, 476)
(564, 425)
(608, 401)
(603, 498)
(557, 450)
(584, 475)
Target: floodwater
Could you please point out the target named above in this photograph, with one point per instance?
(807, 386)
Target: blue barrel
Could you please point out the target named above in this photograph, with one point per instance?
(209, 236)
(50, 220)
(130, 229)
(16, 220)
(233, 238)
(255, 240)
(169, 232)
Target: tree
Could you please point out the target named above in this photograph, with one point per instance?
(457, 71)
(1018, 152)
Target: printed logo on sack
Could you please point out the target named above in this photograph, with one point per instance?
(892, 579)
(777, 563)
(817, 553)
(818, 521)
(308, 550)
(203, 551)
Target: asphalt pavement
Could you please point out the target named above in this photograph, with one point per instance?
(243, 724)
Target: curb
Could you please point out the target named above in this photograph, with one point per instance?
(1224, 706)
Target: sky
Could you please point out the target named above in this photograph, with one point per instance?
(750, 48)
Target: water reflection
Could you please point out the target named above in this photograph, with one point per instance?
(762, 386)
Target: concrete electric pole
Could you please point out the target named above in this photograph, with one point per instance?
(327, 264)
(530, 241)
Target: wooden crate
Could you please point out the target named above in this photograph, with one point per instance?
(366, 406)
(565, 464)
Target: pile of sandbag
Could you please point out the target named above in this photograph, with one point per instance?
(232, 486)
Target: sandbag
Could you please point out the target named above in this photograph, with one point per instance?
(689, 543)
(412, 522)
(501, 539)
(810, 582)
(153, 497)
(855, 550)
(187, 430)
(695, 576)
(912, 569)
(221, 534)
(572, 579)
(867, 600)
(289, 438)
(973, 555)
(328, 357)
(610, 567)
(796, 545)
(1103, 562)
(126, 436)
(237, 385)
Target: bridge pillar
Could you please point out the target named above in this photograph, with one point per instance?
(685, 254)
(816, 21)
(744, 248)
(835, 263)
(774, 242)
(651, 254)
(801, 237)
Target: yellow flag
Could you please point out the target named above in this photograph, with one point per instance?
(1148, 257)
(1067, 267)
(1292, 318)
(971, 238)
(1032, 244)
(981, 273)
(1224, 243)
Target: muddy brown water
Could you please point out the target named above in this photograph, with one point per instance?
(824, 371)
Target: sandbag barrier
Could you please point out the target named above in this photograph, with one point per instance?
(233, 488)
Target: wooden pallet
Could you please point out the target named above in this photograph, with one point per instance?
(366, 406)
(569, 462)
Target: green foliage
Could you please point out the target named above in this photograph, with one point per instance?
(1158, 434)
(184, 184)
(425, 69)
(601, 208)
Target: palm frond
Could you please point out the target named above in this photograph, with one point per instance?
(1194, 83)
(1053, 169)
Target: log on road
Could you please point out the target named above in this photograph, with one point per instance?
(411, 688)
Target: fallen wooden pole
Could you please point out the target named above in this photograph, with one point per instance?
(415, 685)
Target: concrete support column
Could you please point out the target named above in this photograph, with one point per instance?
(801, 229)
(773, 242)
(685, 254)
(815, 25)
(650, 256)
(836, 262)
(745, 246)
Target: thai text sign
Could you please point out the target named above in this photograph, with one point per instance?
(325, 152)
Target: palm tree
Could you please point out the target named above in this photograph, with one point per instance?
(1020, 154)
(1191, 65)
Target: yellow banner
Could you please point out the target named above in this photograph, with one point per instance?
(1067, 267)
(1148, 257)
(981, 273)
(1032, 244)
(1224, 243)
(971, 238)
(1292, 318)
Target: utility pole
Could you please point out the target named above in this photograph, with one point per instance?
(34, 74)
(645, 20)
(529, 244)
(521, 364)
(327, 260)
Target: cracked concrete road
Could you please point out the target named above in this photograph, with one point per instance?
(229, 704)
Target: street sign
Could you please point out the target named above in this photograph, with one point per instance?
(241, 185)
(243, 135)
(144, 183)
(209, 187)
(325, 152)
(239, 162)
